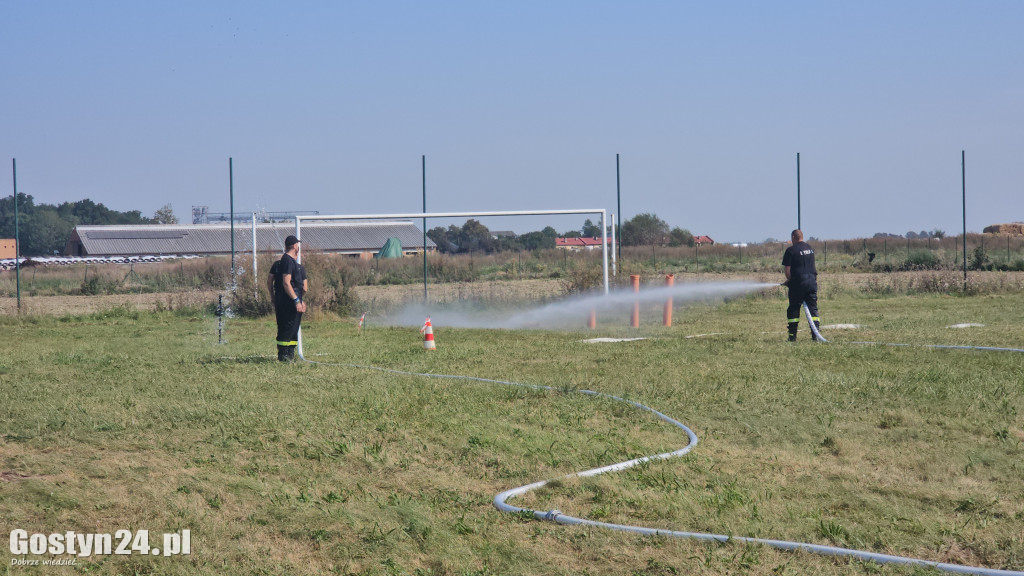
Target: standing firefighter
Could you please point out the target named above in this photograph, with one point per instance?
(289, 284)
(802, 280)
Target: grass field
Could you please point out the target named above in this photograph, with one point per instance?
(142, 420)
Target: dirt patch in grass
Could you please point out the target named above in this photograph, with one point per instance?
(12, 475)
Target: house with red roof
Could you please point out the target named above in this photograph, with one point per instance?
(578, 244)
(699, 240)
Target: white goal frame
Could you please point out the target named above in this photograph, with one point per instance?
(424, 215)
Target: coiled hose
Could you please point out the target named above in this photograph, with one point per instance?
(501, 500)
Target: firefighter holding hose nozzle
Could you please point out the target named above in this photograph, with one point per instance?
(802, 281)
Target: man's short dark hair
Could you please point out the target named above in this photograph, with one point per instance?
(797, 235)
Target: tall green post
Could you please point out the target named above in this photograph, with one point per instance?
(17, 237)
(963, 183)
(424, 172)
(618, 197)
(798, 192)
(231, 191)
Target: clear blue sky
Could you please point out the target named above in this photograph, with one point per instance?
(523, 105)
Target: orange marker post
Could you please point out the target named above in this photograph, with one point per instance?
(592, 319)
(670, 280)
(634, 319)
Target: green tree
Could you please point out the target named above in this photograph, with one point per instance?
(591, 230)
(45, 228)
(979, 259)
(44, 232)
(644, 230)
(90, 213)
(537, 241)
(440, 237)
(680, 237)
(165, 215)
(25, 207)
(475, 237)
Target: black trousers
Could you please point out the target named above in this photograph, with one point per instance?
(288, 321)
(799, 294)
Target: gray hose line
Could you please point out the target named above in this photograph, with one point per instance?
(500, 501)
(947, 346)
(810, 322)
(821, 338)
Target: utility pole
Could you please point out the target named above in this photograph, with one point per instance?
(618, 208)
(963, 183)
(424, 171)
(798, 192)
(231, 188)
(17, 238)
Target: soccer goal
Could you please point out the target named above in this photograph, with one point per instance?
(299, 219)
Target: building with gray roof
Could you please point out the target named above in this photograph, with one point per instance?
(352, 238)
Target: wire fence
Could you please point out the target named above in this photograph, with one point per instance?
(883, 254)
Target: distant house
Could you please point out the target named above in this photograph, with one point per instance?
(502, 234)
(699, 240)
(7, 248)
(578, 244)
(361, 239)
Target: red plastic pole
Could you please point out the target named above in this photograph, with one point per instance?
(670, 280)
(634, 319)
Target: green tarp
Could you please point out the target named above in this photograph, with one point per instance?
(392, 249)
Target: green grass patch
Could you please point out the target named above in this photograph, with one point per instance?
(127, 420)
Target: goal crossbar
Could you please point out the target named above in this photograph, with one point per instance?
(424, 215)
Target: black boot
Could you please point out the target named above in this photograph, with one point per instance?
(282, 352)
(792, 331)
(289, 354)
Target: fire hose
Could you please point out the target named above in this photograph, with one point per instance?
(501, 500)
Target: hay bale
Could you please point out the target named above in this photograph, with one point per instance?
(1013, 229)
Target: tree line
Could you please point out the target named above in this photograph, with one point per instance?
(44, 229)
(642, 230)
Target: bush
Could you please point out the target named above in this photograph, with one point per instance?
(250, 300)
(921, 260)
(580, 279)
(334, 290)
(92, 286)
(446, 269)
(96, 285)
(979, 259)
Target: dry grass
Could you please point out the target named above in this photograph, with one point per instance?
(382, 299)
(78, 305)
(143, 420)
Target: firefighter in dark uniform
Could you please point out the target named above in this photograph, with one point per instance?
(802, 280)
(288, 285)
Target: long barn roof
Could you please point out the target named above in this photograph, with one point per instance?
(204, 239)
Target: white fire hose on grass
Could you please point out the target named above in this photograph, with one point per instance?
(810, 322)
(501, 500)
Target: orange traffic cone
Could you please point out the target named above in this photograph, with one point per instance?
(428, 335)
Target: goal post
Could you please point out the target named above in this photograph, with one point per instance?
(424, 215)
